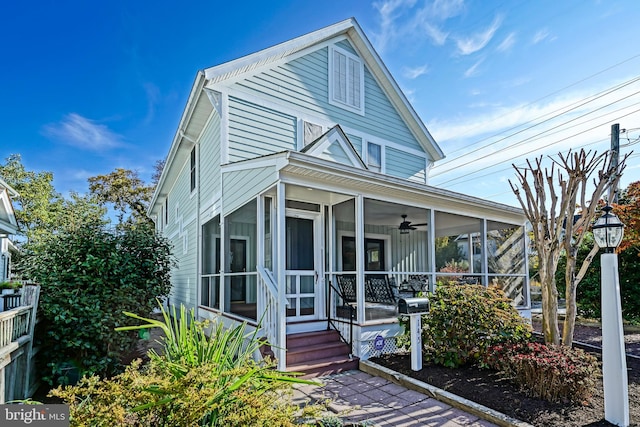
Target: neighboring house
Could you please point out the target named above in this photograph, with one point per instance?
(8, 227)
(296, 187)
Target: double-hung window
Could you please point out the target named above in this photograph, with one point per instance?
(346, 80)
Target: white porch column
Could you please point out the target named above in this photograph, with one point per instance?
(359, 219)
(431, 242)
(280, 268)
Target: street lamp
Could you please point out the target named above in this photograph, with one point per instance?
(607, 232)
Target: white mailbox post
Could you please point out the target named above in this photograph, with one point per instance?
(415, 308)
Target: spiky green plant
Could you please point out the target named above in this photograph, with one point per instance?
(204, 375)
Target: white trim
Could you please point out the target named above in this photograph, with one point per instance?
(323, 121)
(347, 104)
(318, 264)
(216, 83)
(224, 128)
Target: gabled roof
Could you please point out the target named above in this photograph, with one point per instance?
(198, 106)
(8, 223)
(351, 29)
(334, 145)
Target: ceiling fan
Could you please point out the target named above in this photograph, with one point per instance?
(406, 226)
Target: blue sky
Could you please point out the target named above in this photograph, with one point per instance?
(87, 87)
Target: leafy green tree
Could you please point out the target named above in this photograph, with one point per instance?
(38, 206)
(89, 276)
(125, 191)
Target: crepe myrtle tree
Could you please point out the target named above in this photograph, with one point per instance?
(560, 203)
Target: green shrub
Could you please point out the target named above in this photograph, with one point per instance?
(88, 278)
(198, 379)
(150, 396)
(553, 373)
(465, 320)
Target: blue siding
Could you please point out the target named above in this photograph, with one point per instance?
(405, 165)
(210, 160)
(303, 84)
(256, 131)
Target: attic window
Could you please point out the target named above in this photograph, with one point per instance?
(346, 80)
(374, 157)
(311, 132)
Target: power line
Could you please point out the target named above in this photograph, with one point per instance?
(538, 148)
(547, 96)
(581, 102)
(529, 139)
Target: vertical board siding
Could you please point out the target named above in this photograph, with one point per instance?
(210, 160)
(238, 187)
(256, 131)
(405, 165)
(303, 84)
(407, 252)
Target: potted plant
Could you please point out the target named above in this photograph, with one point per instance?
(9, 287)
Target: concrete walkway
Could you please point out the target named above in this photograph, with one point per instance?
(358, 397)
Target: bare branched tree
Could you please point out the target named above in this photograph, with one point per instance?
(560, 209)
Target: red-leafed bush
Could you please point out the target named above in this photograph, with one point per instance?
(553, 373)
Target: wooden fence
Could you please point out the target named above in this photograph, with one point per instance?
(17, 369)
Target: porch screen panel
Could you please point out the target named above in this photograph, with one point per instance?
(458, 248)
(240, 293)
(506, 245)
(344, 218)
(210, 277)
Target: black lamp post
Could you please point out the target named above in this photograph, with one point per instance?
(608, 230)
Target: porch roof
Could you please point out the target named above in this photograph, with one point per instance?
(302, 169)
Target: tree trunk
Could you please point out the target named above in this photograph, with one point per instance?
(570, 316)
(550, 328)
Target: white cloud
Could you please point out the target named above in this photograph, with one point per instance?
(83, 133)
(400, 18)
(437, 36)
(389, 11)
(474, 43)
(507, 43)
(445, 9)
(540, 35)
(473, 70)
(415, 72)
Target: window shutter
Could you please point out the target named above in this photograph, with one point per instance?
(354, 83)
(340, 77)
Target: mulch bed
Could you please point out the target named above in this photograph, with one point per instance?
(489, 389)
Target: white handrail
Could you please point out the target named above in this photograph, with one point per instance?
(272, 321)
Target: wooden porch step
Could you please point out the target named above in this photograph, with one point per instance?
(318, 353)
(322, 367)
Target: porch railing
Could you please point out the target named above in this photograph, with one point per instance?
(14, 324)
(345, 329)
(272, 320)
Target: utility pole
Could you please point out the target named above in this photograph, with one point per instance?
(615, 153)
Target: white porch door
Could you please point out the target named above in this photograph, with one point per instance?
(303, 273)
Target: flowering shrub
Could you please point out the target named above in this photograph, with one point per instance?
(553, 373)
(465, 320)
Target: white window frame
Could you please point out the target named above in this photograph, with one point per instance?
(349, 103)
(368, 162)
(193, 170)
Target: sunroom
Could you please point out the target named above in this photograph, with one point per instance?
(313, 245)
